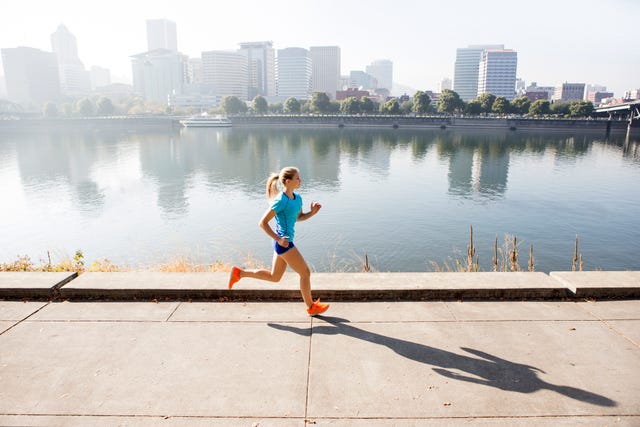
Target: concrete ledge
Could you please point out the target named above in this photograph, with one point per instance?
(600, 284)
(331, 286)
(436, 286)
(20, 285)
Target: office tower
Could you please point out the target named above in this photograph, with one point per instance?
(382, 71)
(445, 83)
(31, 75)
(325, 66)
(74, 79)
(100, 77)
(261, 63)
(293, 68)
(361, 80)
(497, 73)
(161, 34)
(194, 70)
(158, 74)
(569, 92)
(226, 72)
(465, 78)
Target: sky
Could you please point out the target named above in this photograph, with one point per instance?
(580, 41)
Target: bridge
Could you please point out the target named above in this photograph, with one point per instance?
(625, 111)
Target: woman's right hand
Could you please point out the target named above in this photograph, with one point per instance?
(284, 241)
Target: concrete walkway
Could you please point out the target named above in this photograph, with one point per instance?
(403, 363)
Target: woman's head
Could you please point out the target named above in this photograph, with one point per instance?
(286, 174)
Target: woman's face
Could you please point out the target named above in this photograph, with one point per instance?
(294, 182)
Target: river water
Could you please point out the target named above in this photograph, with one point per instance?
(405, 198)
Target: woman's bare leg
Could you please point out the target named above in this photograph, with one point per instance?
(294, 259)
(278, 267)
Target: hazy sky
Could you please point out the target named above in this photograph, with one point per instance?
(557, 40)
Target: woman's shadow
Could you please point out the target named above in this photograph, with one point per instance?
(484, 369)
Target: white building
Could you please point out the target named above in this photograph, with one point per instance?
(226, 72)
(99, 77)
(382, 71)
(261, 68)
(497, 73)
(465, 78)
(74, 79)
(161, 34)
(445, 83)
(325, 73)
(31, 75)
(158, 74)
(294, 69)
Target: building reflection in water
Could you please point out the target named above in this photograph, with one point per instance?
(240, 159)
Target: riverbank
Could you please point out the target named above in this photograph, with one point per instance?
(164, 123)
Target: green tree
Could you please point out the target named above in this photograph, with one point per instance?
(406, 107)
(581, 109)
(521, 105)
(350, 106)
(501, 105)
(105, 106)
(276, 108)
(320, 102)
(449, 102)
(487, 100)
(233, 105)
(421, 102)
(473, 107)
(539, 107)
(50, 110)
(560, 108)
(390, 107)
(292, 106)
(84, 107)
(260, 105)
(367, 105)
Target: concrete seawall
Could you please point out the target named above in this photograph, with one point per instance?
(168, 123)
(149, 286)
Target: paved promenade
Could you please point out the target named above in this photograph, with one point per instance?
(543, 362)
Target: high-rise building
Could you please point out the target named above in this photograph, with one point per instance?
(497, 73)
(382, 71)
(361, 80)
(569, 92)
(161, 34)
(261, 68)
(445, 83)
(100, 77)
(74, 79)
(467, 65)
(325, 75)
(226, 72)
(293, 68)
(158, 74)
(31, 75)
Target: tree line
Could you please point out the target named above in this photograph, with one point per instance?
(449, 102)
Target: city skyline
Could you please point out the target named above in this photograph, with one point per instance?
(571, 41)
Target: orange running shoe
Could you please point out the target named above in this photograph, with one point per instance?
(317, 308)
(234, 276)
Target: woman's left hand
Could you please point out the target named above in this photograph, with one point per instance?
(315, 207)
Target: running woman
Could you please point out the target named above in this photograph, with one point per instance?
(286, 208)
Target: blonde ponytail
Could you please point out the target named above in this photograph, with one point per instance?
(272, 186)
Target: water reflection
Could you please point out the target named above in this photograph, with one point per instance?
(478, 163)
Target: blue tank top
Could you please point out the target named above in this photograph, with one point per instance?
(287, 211)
